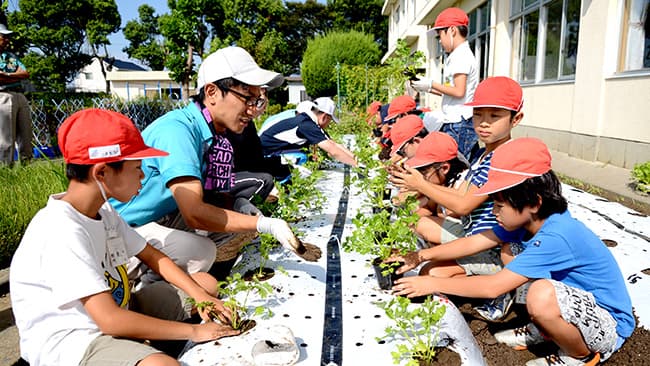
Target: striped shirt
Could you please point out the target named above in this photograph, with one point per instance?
(481, 218)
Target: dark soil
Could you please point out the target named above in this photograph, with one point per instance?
(263, 275)
(633, 353)
(446, 357)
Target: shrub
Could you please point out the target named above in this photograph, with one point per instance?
(641, 175)
(324, 52)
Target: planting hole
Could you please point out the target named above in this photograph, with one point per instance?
(610, 243)
(285, 315)
(307, 316)
(357, 317)
(303, 345)
(646, 271)
(381, 342)
(358, 344)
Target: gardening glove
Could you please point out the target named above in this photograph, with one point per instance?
(304, 172)
(421, 86)
(243, 205)
(282, 233)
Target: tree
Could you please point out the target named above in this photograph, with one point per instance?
(299, 23)
(185, 31)
(63, 37)
(361, 15)
(324, 52)
(144, 37)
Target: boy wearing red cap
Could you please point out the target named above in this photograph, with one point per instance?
(70, 291)
(405, 137)
(460, 79)
(497, 109)
(577, 298)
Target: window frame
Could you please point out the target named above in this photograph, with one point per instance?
(516, 25)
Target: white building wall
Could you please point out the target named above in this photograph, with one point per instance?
(600, 115)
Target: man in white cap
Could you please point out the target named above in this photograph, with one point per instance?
(15, 115)
(170, 211)
(306, 129)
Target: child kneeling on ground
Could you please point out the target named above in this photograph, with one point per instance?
(69, 287)
(577, 297)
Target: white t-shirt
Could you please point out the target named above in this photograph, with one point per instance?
(61, 259)
(460, 61)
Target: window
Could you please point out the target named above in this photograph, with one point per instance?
(479, 36)
(636, 36)
(548, 38)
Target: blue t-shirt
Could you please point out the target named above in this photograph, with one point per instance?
(186, 159)
(565, 250)
(292, 134)
(481, 218)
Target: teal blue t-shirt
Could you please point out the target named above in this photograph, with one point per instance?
(185, 135)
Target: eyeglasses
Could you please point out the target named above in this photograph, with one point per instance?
(249, 100)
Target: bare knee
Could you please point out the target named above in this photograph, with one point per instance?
(158, 359)
(541, 299)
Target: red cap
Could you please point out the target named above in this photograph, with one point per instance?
(373, 108)
(498, 92)
(437, 147)
(451, 17)
(93, 136)
(405, 129)
(514, 162)
(399, 105)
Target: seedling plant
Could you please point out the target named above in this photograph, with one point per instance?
(416, 325)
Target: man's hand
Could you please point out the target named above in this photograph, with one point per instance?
(211, 330)
(242, 205)
(282, 233)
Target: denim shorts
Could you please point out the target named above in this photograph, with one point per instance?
(464, 134)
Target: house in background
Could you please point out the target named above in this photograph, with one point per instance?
(584, 66)
(127, 81)
(296, 89)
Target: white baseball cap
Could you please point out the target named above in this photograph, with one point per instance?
(305, 106)
(326, 105)
(236, 63)
(4, 30)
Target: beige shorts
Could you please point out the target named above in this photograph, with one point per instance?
(106, 350)
(485, 262)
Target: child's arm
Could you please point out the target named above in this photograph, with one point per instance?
(455, 249)
(115, 321)
(456, 91)
(163, 265)
(485, 286)
(461, 201)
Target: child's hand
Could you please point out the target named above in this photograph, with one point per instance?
(413, 286)
(217, 310)
(411, 260)
(410, 179)
(211, 330)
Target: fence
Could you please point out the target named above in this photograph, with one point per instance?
(47, 116)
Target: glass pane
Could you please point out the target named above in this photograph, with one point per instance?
(528, 56)
(472, 22)
(570, 50)
(516, 7)
(528, 3)
(483, 60)
(485, 16)
(553, 37)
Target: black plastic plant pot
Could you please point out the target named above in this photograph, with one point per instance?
(386, 194)
(386, 207)
(262, 274)
(385, 281)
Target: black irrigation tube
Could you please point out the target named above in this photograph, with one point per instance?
(615, 223)
(332, 349)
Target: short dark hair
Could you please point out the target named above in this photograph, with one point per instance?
(456, 167)
(528, 193)
(222, 84)
(80, 172)
(462, 29)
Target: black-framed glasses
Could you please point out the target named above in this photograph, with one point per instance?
(249, 100)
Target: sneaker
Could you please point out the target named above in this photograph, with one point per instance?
(496, 308)
(520, 338)
(563, 359)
